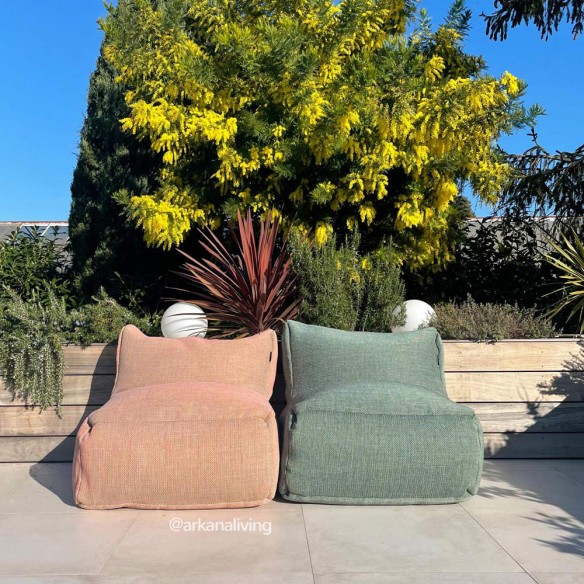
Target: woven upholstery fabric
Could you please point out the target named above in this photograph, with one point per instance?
(188, 426)
(178, 446)
(368, 420)
(249, 362)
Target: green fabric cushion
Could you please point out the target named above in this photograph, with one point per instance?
(316, 358)
(368, 421)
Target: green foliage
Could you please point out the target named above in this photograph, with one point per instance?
(330, 295)
(33, 331)
(106, 251)
(544, 183)
(31, 353)
(498, 261)
(569, 262)
(342, 288)
(101, 321)
(489, 322)
(32, 265)
(546, 16)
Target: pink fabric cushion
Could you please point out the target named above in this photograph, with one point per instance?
(178, 446)
(249, 362)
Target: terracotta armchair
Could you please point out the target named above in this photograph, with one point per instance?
(188, 426)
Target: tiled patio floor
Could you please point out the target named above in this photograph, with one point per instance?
(525, 526)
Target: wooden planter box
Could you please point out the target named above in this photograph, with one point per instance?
(529, 396)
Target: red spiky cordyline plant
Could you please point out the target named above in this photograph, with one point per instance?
(244, 293)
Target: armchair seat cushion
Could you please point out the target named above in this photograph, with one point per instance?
(177, 402)
(178, 446)
(396, 399)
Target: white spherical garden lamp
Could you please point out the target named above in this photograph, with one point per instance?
(184, 320)
(418, 314)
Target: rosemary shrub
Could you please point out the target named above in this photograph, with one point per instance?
(342, 288)
(475, 321)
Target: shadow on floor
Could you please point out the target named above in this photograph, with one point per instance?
(568, 386)
(63, 452)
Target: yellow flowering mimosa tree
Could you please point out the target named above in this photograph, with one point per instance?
(334, 116)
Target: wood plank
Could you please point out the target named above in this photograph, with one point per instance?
(530, 417)
(545, 355)
(20, 421)
(97, 358)
(38, 449)
(529, 355)
(93, 359)
(515, 386)
(534, 445)
(77, 390)
(489, 386)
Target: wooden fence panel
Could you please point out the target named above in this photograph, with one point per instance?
(529, 396)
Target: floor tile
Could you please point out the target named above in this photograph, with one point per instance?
(540, 541)
(571, 468)
(576, 475)
(571, 465)
(61, 579)
(506, 488)
(531, 511)
(401, 539)
(275, 542)
(516, 464)
(60, 543)
(429, 578)
(47, 489)
(13, 474)
(558, 578)
(210, 578)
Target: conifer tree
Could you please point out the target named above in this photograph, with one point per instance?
(107, 251)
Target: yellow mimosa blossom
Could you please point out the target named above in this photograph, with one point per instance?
(511, 83)
(331, 114)
(445, 192)
(434, 68)
(323, 232)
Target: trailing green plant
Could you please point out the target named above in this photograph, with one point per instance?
(31, 355)
(343, 288)
(32, 266)
(570, 264)
(474, 321)
(247, 292)
(33, 331)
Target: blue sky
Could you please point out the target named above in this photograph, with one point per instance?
(48, 50)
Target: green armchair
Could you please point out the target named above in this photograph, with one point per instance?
(368, 420)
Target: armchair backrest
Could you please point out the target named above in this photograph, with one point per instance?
(249, 362)
(317, 358)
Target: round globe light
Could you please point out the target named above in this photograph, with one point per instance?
(184, 320)
(418, 314)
